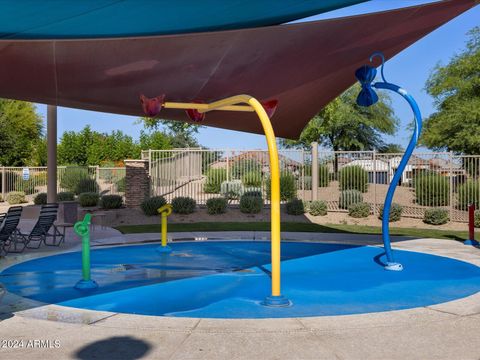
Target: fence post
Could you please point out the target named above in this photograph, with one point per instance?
(451, 185)
(228, 165)
(314, 170)
(3, 183)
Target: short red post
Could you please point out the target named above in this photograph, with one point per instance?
(471, 226)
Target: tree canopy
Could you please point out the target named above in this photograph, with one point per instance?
(182, 134)
(455, 126)
(21, 130)
(343, 125)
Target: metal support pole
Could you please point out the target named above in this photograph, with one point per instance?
(314, 171)
(51, 154)
(4, 185)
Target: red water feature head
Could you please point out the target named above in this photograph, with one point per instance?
(194, 114)
(152, 106)
(270, 107)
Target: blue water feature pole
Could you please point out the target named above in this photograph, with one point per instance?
(367, 97)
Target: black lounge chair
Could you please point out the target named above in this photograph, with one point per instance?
(8, 228)
(40, 232)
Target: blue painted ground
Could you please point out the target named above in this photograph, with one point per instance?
(230, 279)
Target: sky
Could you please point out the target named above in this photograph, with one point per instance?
(409, 69)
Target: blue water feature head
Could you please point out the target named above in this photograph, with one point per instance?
(365, 75)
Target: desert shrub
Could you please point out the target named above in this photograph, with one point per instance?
(323, 176)
(477, 219)
(215, 177)
(183, 205)
(432, 190)
(16, 197)
(288, 187)
(251, 204)
(232, 189)
(252, 178)
(396, 211)
(317, 208)
(151, 205)
(72, 176)
(86, 185)
(65, 196)
(469, 193)
(253, 192)
(40, 199)
(244, 166)
(436, 216)
(112, 201)
(295, 207)
(88, 199)
(353, 178)
(349, 197)
(359, 210)
(121, 183)
(216, 206)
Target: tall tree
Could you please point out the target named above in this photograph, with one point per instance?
(21, 129)
(343, 125)
(455, 126)
(182, 134)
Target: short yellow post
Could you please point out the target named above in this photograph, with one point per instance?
(164, 212)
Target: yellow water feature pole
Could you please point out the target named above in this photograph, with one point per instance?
(252, 104)
(164, 212)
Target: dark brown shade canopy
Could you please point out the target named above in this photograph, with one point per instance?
(304, 66)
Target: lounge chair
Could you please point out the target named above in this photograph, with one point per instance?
(8, 227)
(40, 232)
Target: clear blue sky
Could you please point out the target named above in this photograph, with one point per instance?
(409, 69)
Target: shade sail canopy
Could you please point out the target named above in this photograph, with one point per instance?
(60, 19)
(303, 66)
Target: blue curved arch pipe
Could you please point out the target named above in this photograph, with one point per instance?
(367, 97)
(403, 163)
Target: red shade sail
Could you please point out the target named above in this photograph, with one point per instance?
(303, 66)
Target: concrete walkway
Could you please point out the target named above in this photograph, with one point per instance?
(445, 331)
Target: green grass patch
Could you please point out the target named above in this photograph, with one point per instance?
(297, 227)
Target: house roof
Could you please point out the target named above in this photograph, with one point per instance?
(304, 66)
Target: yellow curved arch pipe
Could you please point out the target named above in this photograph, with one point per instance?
(164, 211)
(231, 104)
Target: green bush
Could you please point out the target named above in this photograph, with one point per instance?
(88, 199)
(215, 177)
(72, 176)
(16, 197)
(121, 183)
(216, 206)
(469, 193)
(151, 205)
(477, 219)
(359, 210)
(243, 166)
(295, 207)
(436, 216)
(40, 199)
(317, 208)
(432, 190)
(183, 205)
(251, 204)
(323, 176)
(86, 185)
(353, 178)
(288, 187)
(396, 211)
(349, 197)
(252, 178)
(253, 192)
(232, 189)
(65, 196)
(112, 201)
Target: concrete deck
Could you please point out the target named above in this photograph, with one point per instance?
(444, 331)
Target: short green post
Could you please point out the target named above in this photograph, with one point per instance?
(82, 228)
